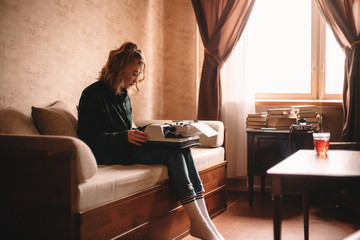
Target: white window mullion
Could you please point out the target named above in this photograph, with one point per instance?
(319, 39)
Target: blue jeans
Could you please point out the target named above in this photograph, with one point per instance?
(184, 178)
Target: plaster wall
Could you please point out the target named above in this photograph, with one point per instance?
(53, 49)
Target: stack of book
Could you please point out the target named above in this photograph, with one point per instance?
(281, 118)
(308, 113)
(256, 120)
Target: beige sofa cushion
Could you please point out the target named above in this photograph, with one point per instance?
(207, 157)
(215, 141)
(111, 183)
(12, 121)
(86, 165)
(116, 181)
(57, 119)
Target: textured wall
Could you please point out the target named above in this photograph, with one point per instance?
(180, 67)
(53, 49)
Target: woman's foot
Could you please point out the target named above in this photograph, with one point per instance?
(198, 226)
(202, 206)
(202, 230)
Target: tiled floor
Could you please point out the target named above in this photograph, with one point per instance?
(327, 222)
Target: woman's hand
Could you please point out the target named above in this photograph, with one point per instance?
(137, 137)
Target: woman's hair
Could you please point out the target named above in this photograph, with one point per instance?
(113, 71)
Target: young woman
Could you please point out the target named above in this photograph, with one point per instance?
(105, 120)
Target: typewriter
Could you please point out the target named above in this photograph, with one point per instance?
(303, 126)
(178, 133)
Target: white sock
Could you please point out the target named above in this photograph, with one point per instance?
(202, 206)
(198, 225)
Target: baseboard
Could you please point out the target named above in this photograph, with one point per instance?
(240, 184)
(237, 184)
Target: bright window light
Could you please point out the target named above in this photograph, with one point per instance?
(278, 46)
(290, 54)
(334, 67)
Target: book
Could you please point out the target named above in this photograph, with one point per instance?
(256, 123)
(280, 122)
(256, 119)
(312, 119)
(260, 114)
(279, 111)
(303, 108)
(289, 115)
(254, 126)
(307, 114)
(282, 127)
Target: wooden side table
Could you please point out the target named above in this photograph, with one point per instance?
(265, 148)
(305, 171)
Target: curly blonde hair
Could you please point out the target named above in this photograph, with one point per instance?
(113, 71)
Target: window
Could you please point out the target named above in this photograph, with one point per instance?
(334, 65)
(290, 53)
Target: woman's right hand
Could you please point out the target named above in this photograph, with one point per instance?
(137, 137)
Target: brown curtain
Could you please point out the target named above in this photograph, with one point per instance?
(221, 23)
(343, 18)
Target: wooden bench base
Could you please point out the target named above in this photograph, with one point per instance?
(153, 213)
(39, 199)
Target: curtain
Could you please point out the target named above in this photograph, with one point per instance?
(221, 23)
(343, 17)
(237, 102)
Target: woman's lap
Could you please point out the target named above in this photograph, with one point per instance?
(181, 168)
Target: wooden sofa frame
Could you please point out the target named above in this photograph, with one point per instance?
(32, 208)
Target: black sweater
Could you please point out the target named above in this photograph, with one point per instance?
(103, 123)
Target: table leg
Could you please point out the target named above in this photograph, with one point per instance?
(263, 186)
(277, 216)
(306, 214)
(251, 189)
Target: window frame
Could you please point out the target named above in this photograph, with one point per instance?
(318, 63)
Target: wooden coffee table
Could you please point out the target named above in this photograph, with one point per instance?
(305, 171)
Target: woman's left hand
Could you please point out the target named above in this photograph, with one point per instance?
(137, 137)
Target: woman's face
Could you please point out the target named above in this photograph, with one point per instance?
(131, 74)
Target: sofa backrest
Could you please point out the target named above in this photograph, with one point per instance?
(12, 121)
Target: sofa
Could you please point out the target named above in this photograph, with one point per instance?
(52, 187)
